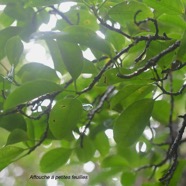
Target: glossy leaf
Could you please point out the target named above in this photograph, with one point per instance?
(14, 49)
(25, 92)
(54, 159)
(130, 124)
(64, 117)
(72, 58)
(16, 136)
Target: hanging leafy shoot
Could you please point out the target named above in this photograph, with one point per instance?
(107, 90)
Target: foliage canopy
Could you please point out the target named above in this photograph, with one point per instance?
(133, 87)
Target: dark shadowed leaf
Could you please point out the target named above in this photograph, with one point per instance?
(12, 122)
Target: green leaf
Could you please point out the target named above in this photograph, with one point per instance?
(131, 123)
(103, 175)
(79, 35)
(64, 117)
(5, 20)
(102, 144)
(129, 94)
(72, 58)
(18, 12)
(177, 176)
(8, 154)
(110, 77)
(161, 111)
(128, 178)
(172, 20)
(86, 152)
(181, 51)
(173, 7)
(35, 71)
(116, 39)
(87, 37)
(124, 12)
(16, 136)
(152, 184)
(12, 121)
(89, 67)
(115, 161)
(36, 3)
(83, 17)
(5, 35)
(5, 2)
(14, 49)
(56, 55)
(25, 92)
(54, 159)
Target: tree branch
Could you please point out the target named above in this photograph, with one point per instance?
(97, 109)
(151, 62)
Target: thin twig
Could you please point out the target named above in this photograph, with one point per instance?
(108, 26)
(92, 113)
(62, 15)
(151, 62)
